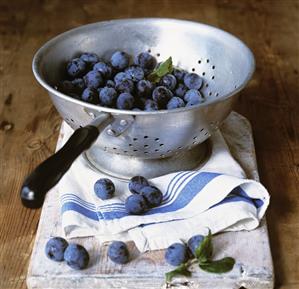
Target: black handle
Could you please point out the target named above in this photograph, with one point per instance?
(49, 172)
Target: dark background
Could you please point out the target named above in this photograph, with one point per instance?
(29, 124)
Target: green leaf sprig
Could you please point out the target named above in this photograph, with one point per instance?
(163, 69)
(203, 254)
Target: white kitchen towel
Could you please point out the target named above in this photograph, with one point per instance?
(216, 196)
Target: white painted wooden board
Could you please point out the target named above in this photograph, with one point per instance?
(253, 269)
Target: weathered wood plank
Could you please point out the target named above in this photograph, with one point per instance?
(253, 269)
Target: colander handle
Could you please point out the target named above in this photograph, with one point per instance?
(49, 172)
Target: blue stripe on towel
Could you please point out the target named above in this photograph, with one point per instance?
(239, 191)
(71, 206)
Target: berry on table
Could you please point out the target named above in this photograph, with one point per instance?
(76, 256)
(55, 248)
(118, 252)
(194, 242)
(176, 254)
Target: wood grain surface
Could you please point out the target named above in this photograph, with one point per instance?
(29, 123)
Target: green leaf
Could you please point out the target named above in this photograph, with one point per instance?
(204, 251)
(163, 69)
(181, 270)
(220, 266)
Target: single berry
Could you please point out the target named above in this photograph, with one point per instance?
(176, 254)
(118, 252)
(79, 85)
(104, 69)
(179, 74)
(181, 90)
(161, 95)
(125, 101)
(104, 189)
(110, 83)
(193, 81)
(168, 81)
(194, 242)
(120, 60)
(144, 88)
(135, 204)
(76, 67)
(134, 73)
(93, 79)
(108, 96)
(119, 77)
(175, 102)
(55, 248)
(193, 97)
(137, 183)
(152, 195)
(76, 256)
(126, 85)
(150, 105)
(146, 61)
(89, 58)
(90, 95)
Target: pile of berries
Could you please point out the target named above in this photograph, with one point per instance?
(125, 84)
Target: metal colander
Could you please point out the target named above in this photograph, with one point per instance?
(150, 143)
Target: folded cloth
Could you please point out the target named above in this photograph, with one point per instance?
(216, 196)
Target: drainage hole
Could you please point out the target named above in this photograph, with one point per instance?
(157, 139)
(213, 77)
(213, 67)
(199, 61)
(145, 136)
(156, 150)
(135, 150)
(135, 139)
(179, 148)
(130, 144)
(169, 151)
(125, 152)
(114, 148)
(208, 60)
(145, 153)
(161, 144)
(203, 73)
(146, 146)
(195, 137)
(193, 69)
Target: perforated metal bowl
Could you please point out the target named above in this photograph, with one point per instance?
(150, 143)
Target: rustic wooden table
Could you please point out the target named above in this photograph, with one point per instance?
(29, 124)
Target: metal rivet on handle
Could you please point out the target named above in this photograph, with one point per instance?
(111, 132)
(91, 114)
(123, 122)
